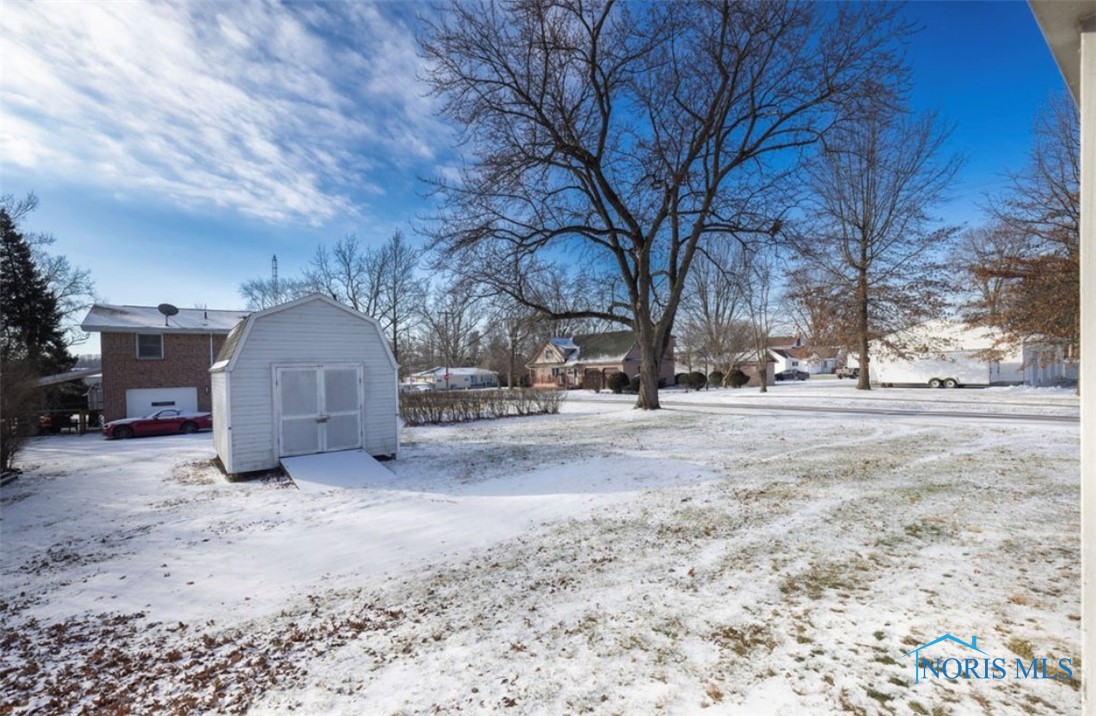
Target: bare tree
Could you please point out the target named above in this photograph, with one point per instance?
(347, 273)
(382, 282)
(982, 252)
(452, 323)
(622, 136)
(870, 234)
(714, 322)
(755, 272)
(820, 310)
(260, 293)
(400, 290)
(1034, 239)
(511, 338)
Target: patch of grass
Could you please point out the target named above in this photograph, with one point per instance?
(742, 641)
(1021, 647)
(1075, 680)
(918, 708)
(849, 706)
(879, 635)
(930, 530)
(879, 696)
(840, 577)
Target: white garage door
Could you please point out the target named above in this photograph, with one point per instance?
(144, 401)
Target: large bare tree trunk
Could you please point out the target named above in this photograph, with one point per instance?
(863, 381)
(650, 359)
(648, 380)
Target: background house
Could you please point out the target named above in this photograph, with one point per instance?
(458, 378)
(747, 363)
(151, 360)
(305, 377)
(587, 361)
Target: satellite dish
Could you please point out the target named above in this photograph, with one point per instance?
(168, 310)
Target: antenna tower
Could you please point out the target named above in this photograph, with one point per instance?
(274, 278)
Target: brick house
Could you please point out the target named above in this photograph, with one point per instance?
(152, 361)
(587, 361)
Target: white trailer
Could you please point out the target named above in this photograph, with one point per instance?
(942, 354)
(948, 369)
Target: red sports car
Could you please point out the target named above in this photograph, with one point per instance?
(162, 422)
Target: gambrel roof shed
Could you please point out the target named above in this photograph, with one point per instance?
(304, 377)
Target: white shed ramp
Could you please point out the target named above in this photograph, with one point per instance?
(332, 470)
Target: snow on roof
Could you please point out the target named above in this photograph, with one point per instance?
(228, 354)
(611, 346)
(105, 318)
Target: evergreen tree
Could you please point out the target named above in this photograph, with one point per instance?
(30, 320)
(32, 342)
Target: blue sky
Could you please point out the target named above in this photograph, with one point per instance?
(175, 147)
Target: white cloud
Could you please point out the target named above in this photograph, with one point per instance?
(286, 112)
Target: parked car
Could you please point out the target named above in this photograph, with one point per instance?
(52, 424)
(792, 374)
(162, 422)
(847, 372)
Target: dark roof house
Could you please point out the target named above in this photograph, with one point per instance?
(153, 358)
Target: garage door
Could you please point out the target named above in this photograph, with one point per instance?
(143, 401)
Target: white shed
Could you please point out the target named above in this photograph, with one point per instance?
(305, 377)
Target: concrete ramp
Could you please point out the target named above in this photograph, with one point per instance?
(333, 470)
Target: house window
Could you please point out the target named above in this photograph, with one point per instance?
(150, 345)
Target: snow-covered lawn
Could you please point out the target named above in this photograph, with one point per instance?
(603, 560)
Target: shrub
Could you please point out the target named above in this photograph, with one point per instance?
(697, 380)
(18, 410)
(681, 379)
(736, 378)
(456, 406)
(715, 378)
(633, 385)
(618, 382)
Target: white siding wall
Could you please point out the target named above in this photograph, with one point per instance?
(218, 385)
(310, 333)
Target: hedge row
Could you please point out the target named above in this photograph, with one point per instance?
(458, 406)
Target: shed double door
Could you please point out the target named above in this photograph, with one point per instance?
(319, 409)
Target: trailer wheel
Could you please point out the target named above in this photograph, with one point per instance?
(935, 383)
(951, 383)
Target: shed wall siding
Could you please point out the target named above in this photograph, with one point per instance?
(311, 333)
(218, 383)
